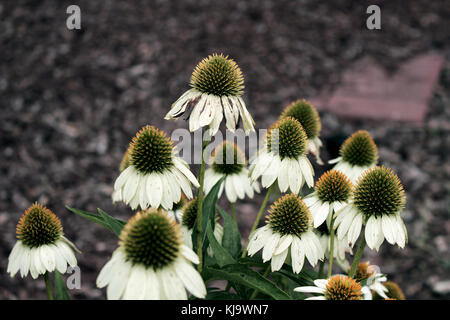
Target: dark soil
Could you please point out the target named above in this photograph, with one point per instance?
(71, 101)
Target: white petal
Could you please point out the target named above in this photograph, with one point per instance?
(189, 254)
(191, 278)
(309, 289)
(119, 282)
(123, 177)
(269, 247)
(153, 289)
(47, 258)
(297, 255)
(173, 287)
(136, 285)
(180, 166)
(283, 175)
(285, 242)
(321, 214)
(278, 260)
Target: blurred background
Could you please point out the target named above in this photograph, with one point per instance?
(72, 99)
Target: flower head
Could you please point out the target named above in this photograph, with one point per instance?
(283, 158)
(393, 292)
(41, 246)
(377, 202)
(332, 192)
(288, 229)
(229, 162)
(357, 154)
(217, 86)
(151, 262)
(305, 113)
(155, 176)
(338, 287)
(373, 281)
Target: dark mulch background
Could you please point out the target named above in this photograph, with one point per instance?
(71, 100)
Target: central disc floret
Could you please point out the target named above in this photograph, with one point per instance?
(38, 226)
(343, 288)
(287, 138)
(289, 215)
(359, 149)
(363, 271)
(333, 186)
(190, 210)
(150, 151)
(305, 113)
(151, 238)
(379, 192)
(218, 75)
(228, 159)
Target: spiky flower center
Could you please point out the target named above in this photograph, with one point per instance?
(289, 215)
(287, 138)
(363, 271)
(38, 226)
(305, 113)
(189, 214)
(333, 186)
(228, 159)
(379, 192)
(218, 75)
(151, 151)
(151, 238)
(394, 292)
(359, 149)
(343, 288)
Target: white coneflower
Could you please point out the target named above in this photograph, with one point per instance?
(188, 217)
(377, 202)
(283, 157)
(217, 86)
(357, 154)
(305, 113)
(393, 292)
(340, 247)
(338, 287)
(151, 263)
(155, 176)
(41, 246)
(228, 161)
(372, 280)
(332, 192)
(288, 229)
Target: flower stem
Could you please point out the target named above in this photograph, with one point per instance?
(330, 262)
(266, 273)
(358, 256)
(233, 211)
(321, 265)
(48, 286)
(200, 197)
(258, 217)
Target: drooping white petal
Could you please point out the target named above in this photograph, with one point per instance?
(270, 246)
(297, 255)
(191, 278)
(278, 260)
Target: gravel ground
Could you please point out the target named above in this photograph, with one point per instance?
(71, 100)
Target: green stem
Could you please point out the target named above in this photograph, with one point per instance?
(233, 211)
(258, 217)
(265, 274)
(200, 197)
(358, 256)
(48, 286)
(331, 256)
(321, 265)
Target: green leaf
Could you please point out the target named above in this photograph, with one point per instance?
(114, 224)
(231, 240)
(242, 274)
(61, 292)
(223, 257)
(90, 216)
(208, 214)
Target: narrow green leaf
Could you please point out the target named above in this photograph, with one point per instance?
(223, 257)
(61, 292)
(89, 216)
(244, 275)
(115, 225)
(231, 240)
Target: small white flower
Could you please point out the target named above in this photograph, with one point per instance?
(151, 263)
(155, 176)
(188, 218)
(217, 86)
(377, 202)
(228, 161)
(288, 230)
(305, 113)
(283, 158)
(357, 154)
(41, 246)
(338, 287)
(367, 273)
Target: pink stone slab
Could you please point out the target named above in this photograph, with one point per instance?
(368, 91)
